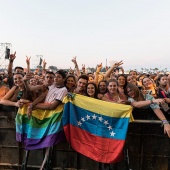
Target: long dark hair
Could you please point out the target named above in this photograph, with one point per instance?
(159, 78)
(99, 85)
(138, 94)
(65, 82)
(95, 87)
(122, 75)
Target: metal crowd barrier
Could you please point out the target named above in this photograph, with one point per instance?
(146, 148)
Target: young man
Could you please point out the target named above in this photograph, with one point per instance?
(56, 90)
(81, 85)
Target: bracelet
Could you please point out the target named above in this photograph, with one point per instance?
(164, 122)
(11, 61)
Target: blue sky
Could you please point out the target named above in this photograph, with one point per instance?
(137, 32)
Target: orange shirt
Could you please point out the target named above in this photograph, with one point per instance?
(3, 91)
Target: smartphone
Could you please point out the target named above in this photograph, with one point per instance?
(7, 53)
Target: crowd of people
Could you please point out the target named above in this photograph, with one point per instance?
(44, 89)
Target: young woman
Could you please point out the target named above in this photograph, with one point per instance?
(18, 95)
(102, 87)
(149, 86)
(70, 83)
(138, 100)
(91, 90)
(113, 94)
(131, 80)
(122, 82)
(164, 91)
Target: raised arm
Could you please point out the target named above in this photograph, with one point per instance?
(10, 65)
(28, 63)
(83, 69)
(27, 77)
(44, 67)
(96, 74)
(108, 73)
(77, 71)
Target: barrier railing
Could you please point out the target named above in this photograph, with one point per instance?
(147, 147)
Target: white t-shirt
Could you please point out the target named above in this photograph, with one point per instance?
(55, 93)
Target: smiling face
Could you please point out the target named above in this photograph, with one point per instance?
(130, 93)
(70, 82)
(112, 87)
(131, 80)
(102, 87)
(147, 83)
(18, 80)
(133, 74)
(121, 81)
(81, 84)
(90, 90)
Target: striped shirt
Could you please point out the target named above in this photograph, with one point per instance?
(55, 93)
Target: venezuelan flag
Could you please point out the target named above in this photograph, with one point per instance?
(43, 129)
(95, 128)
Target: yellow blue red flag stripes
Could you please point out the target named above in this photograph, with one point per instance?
(43, 129)
(95, 128)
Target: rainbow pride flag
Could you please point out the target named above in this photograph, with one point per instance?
(43, 129)
(95, 128)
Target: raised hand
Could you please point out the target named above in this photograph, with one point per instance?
(12, 56)
(71, 71)
(118, 64)
(74, 60)
(99, 67)
(28, 59)
(107, 68)
(28, 76)
(83, 67)
(44, 62)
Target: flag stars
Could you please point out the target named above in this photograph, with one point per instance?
(100, 119)
(106, 122)
(87, 117)
(94, 117)
(79, 123)
(109, 127)
(83, 119)
(112, 134)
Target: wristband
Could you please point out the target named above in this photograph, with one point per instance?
(164, 122)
